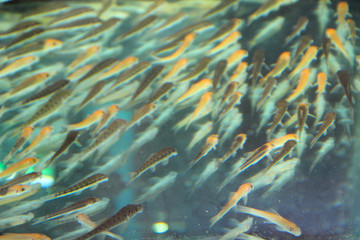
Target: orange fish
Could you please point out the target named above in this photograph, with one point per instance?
(89, 120)
(194, 89)
(301, 87)
(44, 133)
(16, 167)
(204, 101)
(281, 64)
(228, 41)
(332, 34)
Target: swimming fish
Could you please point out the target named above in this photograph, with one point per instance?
(326, 123)
(26, 133)
(43, 134)
(198, 69)
(89, 120)
(210, 144)
(281, 108)
(137, 28)
(344, 79)
(302, 113)
(19, 166)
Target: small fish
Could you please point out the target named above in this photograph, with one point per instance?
(26, 179)
(237, 144)
(240, 73)
(19, 166)
(141, 113)
(224, 4)
(161, 156)
(80, 72)
(51, 106)
(270, 84)
(321, 83)
(137, 28)
(125, 63)
(267, 30)
(198, 69)
(83, 57)
(45, 9)
(175, 70)
(164, 89)
(105, 26)
(326, 44)
(26, 133)
(171, 21)
(342, 11)
(229, 92)
(267, 7)
(231, 26)
(26, 191)
(258, 62)
(192, 27)
(43, 134)
(37, 47)
(308, 57)
(236, 57)
(231, 39)
(108, 115)
(325, 148)
(202, 132)
(85, 220)
(210, 144)
(298, 28)
(25, 37)
(281, 64)
(194, 89)
(156, 4)
(302, 113)
(256, 156)
(326, 123)
(24, 236)
(97, 69)
(18, 65)
(352, 30)
(76, 25)
(238, 231)
(22, 26)
(333, 35)
(234, 198)
(89, 182)
(281, 108)
(71, 15)
(89, 120)
(304, 43)
(148, 79)
(106, 5)
(205, 100)
(282, 223)
(171, 45)
(188, 40)
(70, 138)
(16, 220)
(94, 91)
(123, 215)
(344, 79)
(286, 149)
(218, 73)
(13, 190)
(72, 209)
(132, 72)
(301, 87)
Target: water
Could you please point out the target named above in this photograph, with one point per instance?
(320, 202)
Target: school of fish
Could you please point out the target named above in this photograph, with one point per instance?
(228, 96)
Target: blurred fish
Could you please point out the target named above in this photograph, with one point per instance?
(326, 123)
(210, 144)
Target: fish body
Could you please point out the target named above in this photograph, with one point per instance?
(224, 4)
(281, 109)
(327, 122)
(270, 84)
(281, 64)
(231, 26)
(258, 61)
(45, 9)
(304, 43)
(26, 179)
(38, 47)
(71, 15)
(132, 72)
(210, 144)
(195, 89)
(188, 40)
(192, 27)
(282, 223)
(164, 89)
(309, 56)
(199, 68)
(333, 35)
(148, 79)
(97, 69)
(161, 156)
(94, 91)
(175, 70)
(237, 144)
(235, 197)
(19, 166)
(204, 102)
(107, 116)
(89, 120)
(18, 64)
(344, 79)
(43, 134)
(123, 215)
(298, 28)
(83, 57)
(25, 37)
(267, 7)
(286, 149)
(24, 236)
(231, 39)
(301, 87)
(302, 113)
(125, 63)
(141, 113)
(137, 28)
(24, 136)
(171, 21)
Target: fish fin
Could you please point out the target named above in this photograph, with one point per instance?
(165, 162)
(153, 169)
(245, 199)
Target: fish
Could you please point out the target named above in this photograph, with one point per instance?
(26, 179)
(125, 63)
(257, 63)
(298, 28)
(94, 91)
(171, 21)
(267, 30)
(342, 11)
(304, 43)
(83, 57)
(22, 26)
(26, 133)
(240, 73)
(188, 40)
(198, 69)
(13, 190)
(152, 8)
(326, 123)
(26, 191)
(270, 84)
(19, 166)
(267, 7)
(210, 144)
(143, 24)
(194, 89)
(238, 143)
(282, 223)
(239, 230)
(236, 57)
(302, 85)
(97, 69)
(24, 236)
(18, 65)
(71, 15)
(202, 132)
(231, 26)
(343, 77)
(25, 37)
(333, 35)
(231, 39)
(131, 73)
(162, 156)
(229, 91)
(309, 56)
(45, 9)
(88, 121)
(281, 64)
(153, 73)
(123, 215)
(235, 197)
(16, 220)
(72, 209)
(37, 47)
(203, 104)
(326, 44)
(235, 99)
(302, 113)
(85, 220)
(140, 114)
(325, 148)
(192, 27)
(224, 4)
(164, 89)
(69, 139)
(286, 149)
(89, 182)
(352, 30)
(105, 26)
(281, 109)
(75, 25)
(108, 115)
(43, 134)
